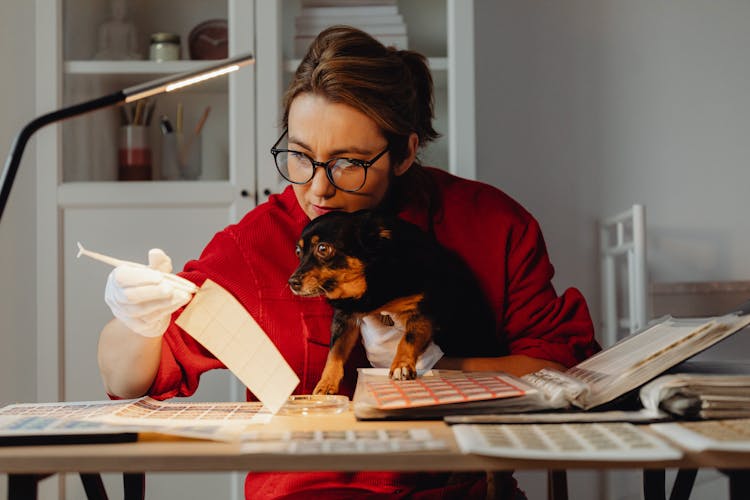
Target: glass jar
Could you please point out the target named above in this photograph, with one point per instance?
(134, 154)
(164, 47)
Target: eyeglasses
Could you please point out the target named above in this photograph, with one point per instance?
(346, 174)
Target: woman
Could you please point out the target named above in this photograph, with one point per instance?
(369, 107)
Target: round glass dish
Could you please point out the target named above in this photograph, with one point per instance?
(314, 404)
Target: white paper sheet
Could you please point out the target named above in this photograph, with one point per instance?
(321, 442)
(719, 435)
(597, 441)
(149, 411)
(222, 325)
(224, 421)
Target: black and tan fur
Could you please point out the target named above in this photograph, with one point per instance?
(366, 262)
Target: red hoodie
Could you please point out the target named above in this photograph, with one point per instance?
(253, 259)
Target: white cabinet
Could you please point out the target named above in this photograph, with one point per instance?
(80, 198)
(79, 195)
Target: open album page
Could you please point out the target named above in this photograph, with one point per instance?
(643, 355)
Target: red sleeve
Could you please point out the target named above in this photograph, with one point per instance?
(183, 359)
(539, 323)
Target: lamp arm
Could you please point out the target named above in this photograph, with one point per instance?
(13, 160)
(130, 94)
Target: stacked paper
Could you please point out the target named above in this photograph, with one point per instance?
(379, 18)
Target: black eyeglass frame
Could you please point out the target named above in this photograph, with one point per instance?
(366, 164)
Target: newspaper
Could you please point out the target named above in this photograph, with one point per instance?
(704, 396)
(113, 421)
(638, 358)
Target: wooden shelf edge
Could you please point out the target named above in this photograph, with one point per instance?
(142, 67)
(145, 194)
(438, 64)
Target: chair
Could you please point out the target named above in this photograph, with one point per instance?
(25, 486)
(622, 247)
(622, 250)
(624, 288)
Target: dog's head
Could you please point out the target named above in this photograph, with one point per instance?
(334, 251)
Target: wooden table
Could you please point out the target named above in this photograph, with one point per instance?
(151, 454)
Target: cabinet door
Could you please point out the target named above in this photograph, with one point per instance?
(109, 46)
(93, 202)
(127, 233)
(85, 50)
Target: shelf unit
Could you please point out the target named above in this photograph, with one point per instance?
(125, 219)
(442, 30)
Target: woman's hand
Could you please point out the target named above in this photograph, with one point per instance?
(142, 298)
(142, 301)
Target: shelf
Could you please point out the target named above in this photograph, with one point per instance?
(697, 298)
(126, 73)
(132, 67)
(438, 65)
(435, 63)
(145, 194)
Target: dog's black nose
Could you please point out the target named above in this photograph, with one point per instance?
(295, 283)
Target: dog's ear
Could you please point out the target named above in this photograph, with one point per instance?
(373, 229)
(382, 235)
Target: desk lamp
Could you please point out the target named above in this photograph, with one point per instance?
(130, 94)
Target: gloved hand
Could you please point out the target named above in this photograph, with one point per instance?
(381, 342)
(142, 298)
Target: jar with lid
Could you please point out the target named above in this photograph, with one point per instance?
(164, 47)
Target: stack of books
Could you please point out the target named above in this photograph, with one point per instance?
(379, 18)
(699, 396)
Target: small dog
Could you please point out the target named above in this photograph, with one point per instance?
(366, 263)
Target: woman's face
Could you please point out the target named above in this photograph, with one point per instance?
(324, 130)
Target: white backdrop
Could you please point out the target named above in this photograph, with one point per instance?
(585, 107)
(17, 228)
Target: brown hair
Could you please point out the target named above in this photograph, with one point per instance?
(392, 87)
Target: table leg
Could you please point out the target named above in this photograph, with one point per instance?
(24, 485)
(739, 483)
(93, 486)
(557, 485)
(653, 484)
(683, 484)
(135, 485)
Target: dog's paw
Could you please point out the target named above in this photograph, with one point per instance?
(326, 386)
(404, 370)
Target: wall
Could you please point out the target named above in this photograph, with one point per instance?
(585, 107)
(17, 228)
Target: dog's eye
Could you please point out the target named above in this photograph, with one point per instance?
(298, 251)
(323, 250)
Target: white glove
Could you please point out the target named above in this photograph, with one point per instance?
(143, 298)
(381, 342)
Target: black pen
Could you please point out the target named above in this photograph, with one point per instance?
(166, 127)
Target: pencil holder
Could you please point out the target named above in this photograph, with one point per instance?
(134, 154)
(181, 156)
